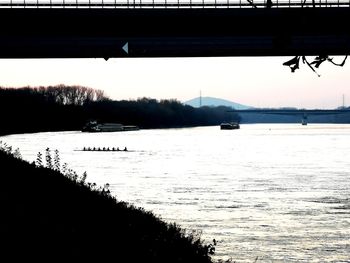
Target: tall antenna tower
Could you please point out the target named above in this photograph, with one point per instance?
(200, 98)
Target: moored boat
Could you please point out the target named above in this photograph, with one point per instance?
(93, 126)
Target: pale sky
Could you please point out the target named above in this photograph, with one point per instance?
(253, 81)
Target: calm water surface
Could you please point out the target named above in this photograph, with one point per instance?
(279, 192)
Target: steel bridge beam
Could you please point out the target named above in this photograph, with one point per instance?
(159, 32)
(293, 112)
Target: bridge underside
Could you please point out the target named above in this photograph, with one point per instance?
(106, 33)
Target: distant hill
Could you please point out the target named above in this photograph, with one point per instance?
(213, 102)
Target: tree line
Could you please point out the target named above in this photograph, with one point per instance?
(61, 107)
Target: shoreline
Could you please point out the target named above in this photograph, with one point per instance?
(46, 213)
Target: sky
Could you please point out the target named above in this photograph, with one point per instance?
(252, 81)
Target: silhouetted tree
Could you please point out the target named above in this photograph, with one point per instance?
(60, 107)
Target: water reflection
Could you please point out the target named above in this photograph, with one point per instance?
(279, 192)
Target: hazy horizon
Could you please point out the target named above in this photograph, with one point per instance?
(253, 81)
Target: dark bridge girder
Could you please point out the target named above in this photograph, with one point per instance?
(197, 32)
(293, 112)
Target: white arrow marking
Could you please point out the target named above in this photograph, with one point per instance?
(126, 47)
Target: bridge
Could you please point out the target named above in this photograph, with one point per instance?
(303, 113)
(168, 28)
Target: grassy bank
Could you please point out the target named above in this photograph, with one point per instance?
(46, 215)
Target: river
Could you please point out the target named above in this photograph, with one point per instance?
(279, 192)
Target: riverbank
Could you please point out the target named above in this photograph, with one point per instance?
(47, 215)
(67, 108)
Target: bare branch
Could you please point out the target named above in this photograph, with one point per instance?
(309, 64)
(338, 64)
(319, 60)
(293, 64)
